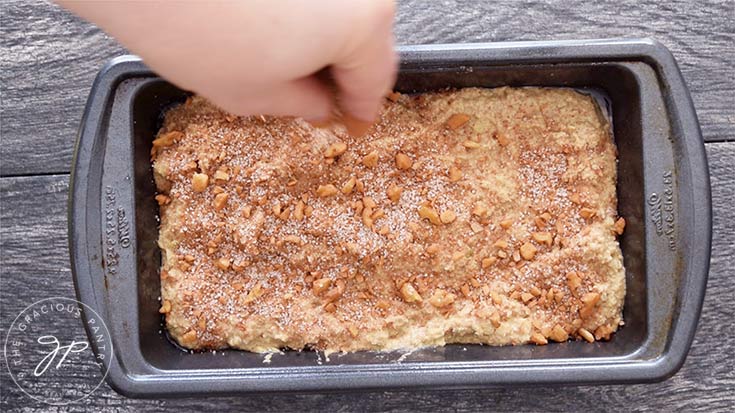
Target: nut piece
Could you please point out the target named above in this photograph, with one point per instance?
(457, 120)
(558, 334)
(506, 223)
(370, 160)
(528, 251)
(586, 335)
(326, 190)
(589, 301)
(543, 238)
(573, 280)
(199, 182)
(394, 192)
(409, 293)
(403, 162)
(222, 263)
(165, 307)
(162, 199)
(488, 262)
(349, 186)
(167, 139)
(539, 339)
(429, 213)
(619, 226)
(501, 138)
(321, 285)
(448, 217)
(587, 213)
(220, 200)
(221, 175)
(471, 144)
(480, 210)
(441, 298)
(455, 174)
(336, 149)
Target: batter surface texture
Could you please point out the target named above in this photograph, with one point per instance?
(465, 216)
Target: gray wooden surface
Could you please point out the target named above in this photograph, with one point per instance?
(49, 59)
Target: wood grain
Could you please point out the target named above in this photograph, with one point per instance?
(34, 265)
(49, 58)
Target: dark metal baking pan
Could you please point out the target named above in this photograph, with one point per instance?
(663, 192)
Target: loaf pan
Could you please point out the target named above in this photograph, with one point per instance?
(663, 192)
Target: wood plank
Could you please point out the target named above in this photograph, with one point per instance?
(50, 58)
(34, 265)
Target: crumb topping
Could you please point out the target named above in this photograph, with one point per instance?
(475, 215)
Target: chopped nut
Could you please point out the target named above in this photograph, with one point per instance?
(495, 319)
(167, 139)
(335, 293)
(369, 202)
(220, 200)
(330, 307)
(587, 213)
(162, 199)
(441, 298)
(480, 210)
(502, 254)
(298, 212)
(403, 162)
(409, 293)
(575, 199)
(470, 144)
(545, 216)
(353, 330)
(308, 210)
(573, 281)
(199, 182)
(394, 192)
(465, 290)
(326, 190)
(165, 307)
(429, 213)
(501, 138)
(336, 149)
(516, 256)
(558, 334)
(543, 238)
(321, 285)
(526, 297)
(589, 301)
(603, 332)
(539, 339)
(619, 226)
(497, 298)
(367, 217)
(528, 251)
(488, 262)
(475, 227)
(222, 263)
(586, 335)
(457, 120)
(432, 249)
(370, 160)
(455, 174)
(448, 217)
(506, 223)
(221, 175)
(349, 186)
(189, 338)
(502, 244)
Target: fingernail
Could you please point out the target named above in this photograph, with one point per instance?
(355, 127)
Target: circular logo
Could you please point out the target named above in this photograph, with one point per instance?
(50, 358)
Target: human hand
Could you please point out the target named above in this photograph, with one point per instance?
(263, 57)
